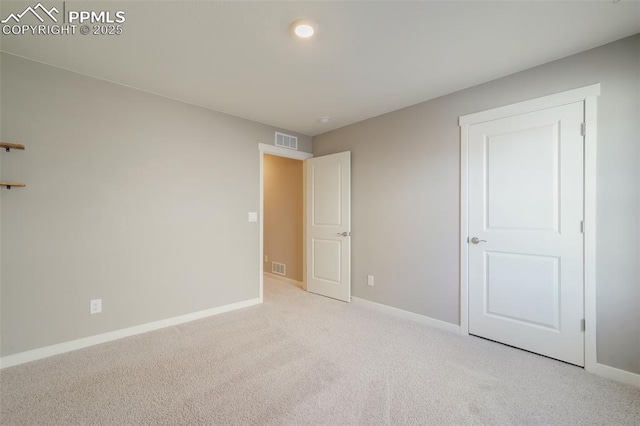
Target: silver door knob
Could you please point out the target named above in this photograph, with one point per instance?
(344, 234)
(476, 240)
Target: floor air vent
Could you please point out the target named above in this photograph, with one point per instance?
(278, 268)
(286, 141)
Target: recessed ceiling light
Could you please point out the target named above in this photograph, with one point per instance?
(303, 29)
(324, 120)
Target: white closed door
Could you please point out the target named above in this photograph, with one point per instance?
(329, 225)
(525, 231)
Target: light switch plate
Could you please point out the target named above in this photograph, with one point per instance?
(253, 216)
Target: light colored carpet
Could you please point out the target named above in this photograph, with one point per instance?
(304, 359)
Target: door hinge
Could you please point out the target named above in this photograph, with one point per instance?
(582, 325)
(583, 129)
(582, 226)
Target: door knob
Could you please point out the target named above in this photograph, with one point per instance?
(476, 240)
(344, 234)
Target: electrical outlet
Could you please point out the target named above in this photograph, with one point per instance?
(266, 258)
(370, 280)
(95, 306)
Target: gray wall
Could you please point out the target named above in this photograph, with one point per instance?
(406, 189)
(133, 198)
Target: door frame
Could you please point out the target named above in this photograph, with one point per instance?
(279, 152)
(589, 96)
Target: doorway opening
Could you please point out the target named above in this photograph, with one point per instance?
(282, 199)
(283, 218)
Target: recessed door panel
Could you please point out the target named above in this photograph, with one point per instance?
(522, 182)
(524, 288)
(326, 260)
(326, 194)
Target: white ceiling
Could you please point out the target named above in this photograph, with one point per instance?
(367, 58)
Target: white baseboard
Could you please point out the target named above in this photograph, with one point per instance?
(612, 373)
(618, 375)
(60, 348)
(432, 322)
(285, 279)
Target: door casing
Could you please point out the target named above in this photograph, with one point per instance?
(588, 95)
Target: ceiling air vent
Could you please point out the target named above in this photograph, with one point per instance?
(286, 141)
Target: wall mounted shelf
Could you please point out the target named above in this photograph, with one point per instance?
(8, 146)
(8, 185)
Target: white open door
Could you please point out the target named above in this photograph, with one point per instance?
(329, 226)
(525, 214)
